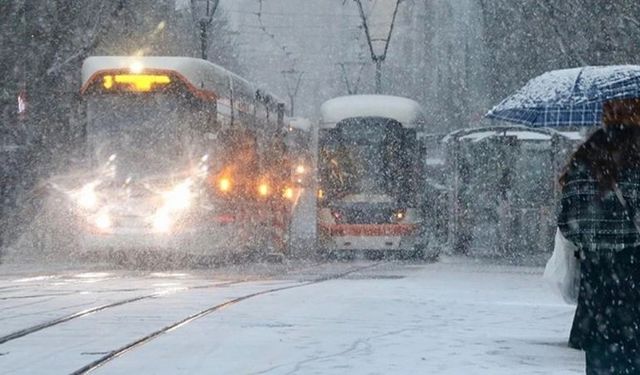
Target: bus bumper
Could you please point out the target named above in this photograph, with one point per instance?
(212, 240)
(371, 243)
(388, 237)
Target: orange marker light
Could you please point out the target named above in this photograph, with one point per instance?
(263, 189)
(224, 185)
(288, 193)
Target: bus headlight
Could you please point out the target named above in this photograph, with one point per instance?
(399, 215)
(179, 198)
(87, 197)
(103, 221)
(162, 222)
(406, 216)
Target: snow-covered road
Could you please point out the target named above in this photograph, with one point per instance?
(452, 317)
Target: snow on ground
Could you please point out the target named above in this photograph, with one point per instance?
(67, 347)
(28, 301)
(453, 317)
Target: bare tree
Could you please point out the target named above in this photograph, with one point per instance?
(206, 9)
(292, 89)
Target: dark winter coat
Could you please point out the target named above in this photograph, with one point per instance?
(608, 313)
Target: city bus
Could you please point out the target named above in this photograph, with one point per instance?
(181, 155)
(369, 176)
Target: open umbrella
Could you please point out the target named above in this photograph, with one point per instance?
(569, 97)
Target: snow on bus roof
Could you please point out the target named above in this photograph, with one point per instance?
(518, 131)
(200, 73)
(406, 111)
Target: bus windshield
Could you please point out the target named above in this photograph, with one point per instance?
(368, 158)
(149, 133)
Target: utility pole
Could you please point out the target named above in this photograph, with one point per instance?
(378, 43)
(351, 89)
(204, 22)
(292, 90)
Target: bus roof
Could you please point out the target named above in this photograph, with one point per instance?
(406, 111)
(200, 74)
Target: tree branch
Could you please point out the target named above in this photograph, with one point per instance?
(549, 8)
(88, 45)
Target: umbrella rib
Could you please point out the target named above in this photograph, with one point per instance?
(575, 85)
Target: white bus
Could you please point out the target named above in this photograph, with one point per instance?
(182, 154)
(369, 176)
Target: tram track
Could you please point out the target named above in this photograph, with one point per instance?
(82, 313)
(67, 293)
(89, 311)
(38, 296)
(112, 355)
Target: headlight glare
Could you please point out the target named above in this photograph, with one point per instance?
(263, 189)
(162, 222)
(103, 221)
(179, 198)
(87, 197)
(288, 193)
(400, 215)
(224, 184)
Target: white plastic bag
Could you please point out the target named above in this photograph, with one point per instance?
(563, 269)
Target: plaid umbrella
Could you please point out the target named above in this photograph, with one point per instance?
(569, 97)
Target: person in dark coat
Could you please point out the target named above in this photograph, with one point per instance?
(586, 154)
(607, 321)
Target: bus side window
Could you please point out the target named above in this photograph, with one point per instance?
(239, 155)
(211, 113)
(281, 114)
(205, 117)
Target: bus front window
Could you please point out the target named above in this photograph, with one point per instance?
(147, 132)
(367, 158)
